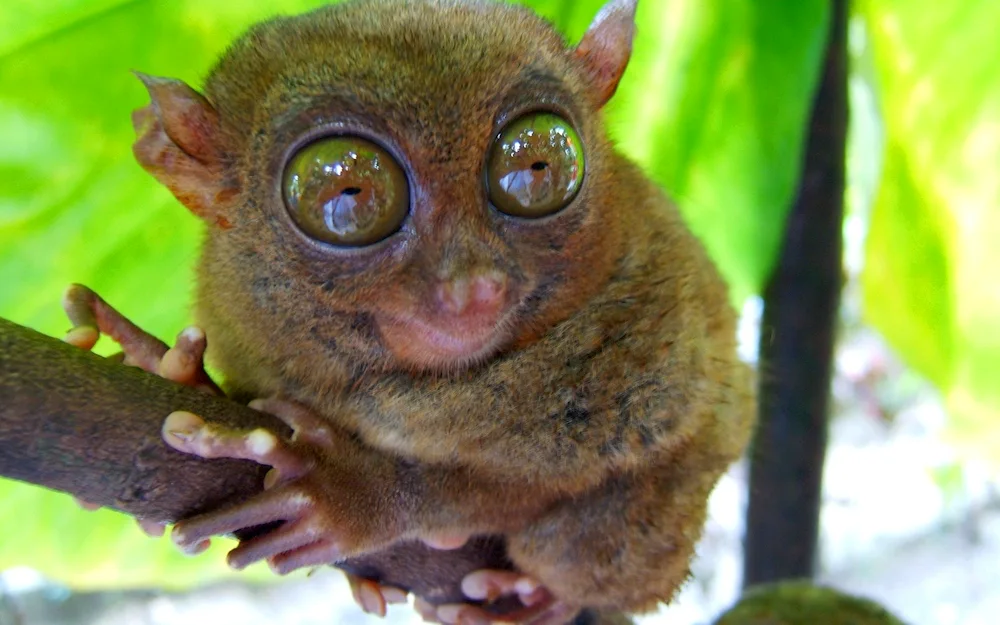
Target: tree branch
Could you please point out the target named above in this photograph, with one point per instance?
(85, 425)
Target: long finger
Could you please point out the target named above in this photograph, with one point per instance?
(86, 308)
(305, 424)
(316, 554)
(270, 506)
(184, 362)
(287, 537)
(190, 434)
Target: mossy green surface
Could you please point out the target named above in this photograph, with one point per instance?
(801, 603)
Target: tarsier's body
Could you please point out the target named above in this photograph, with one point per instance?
(568, 381)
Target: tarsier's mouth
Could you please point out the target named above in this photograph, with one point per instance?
(460, 339)
(445, 340)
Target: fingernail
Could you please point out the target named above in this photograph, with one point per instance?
(460, 615)
(182, 426)
(449, 613)
(86, 505)
(196, 549)
(394, 595)
(475, 587)
(533, 598)
(261, 442)
(446, 542)
(525, 586)
(81, 335)
(371, 600)
(181, 435)
(271, 478)
(153, 529)
(193, 334)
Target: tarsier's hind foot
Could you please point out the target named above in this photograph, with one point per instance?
(91, 316)
(487, 586)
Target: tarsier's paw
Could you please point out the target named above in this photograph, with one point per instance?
(373, 597)
(91, 316)
(183, 363)
(541, 608)
(325, 513)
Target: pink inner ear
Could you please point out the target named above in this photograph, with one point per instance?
(187, 117)
(607, 46)
(179, 143)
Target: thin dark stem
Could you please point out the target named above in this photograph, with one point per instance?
(796, 345)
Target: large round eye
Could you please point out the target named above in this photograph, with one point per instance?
(535, 166)
(346, 191)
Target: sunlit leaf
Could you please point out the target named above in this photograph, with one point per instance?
(930, 280)
(715, 108)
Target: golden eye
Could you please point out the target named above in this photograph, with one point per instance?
(346, 191)
(535, 166)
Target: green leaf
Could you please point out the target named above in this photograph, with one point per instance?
(75, 207)
(714, 106)
(930, 269)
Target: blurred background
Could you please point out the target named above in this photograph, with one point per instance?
(715, 107)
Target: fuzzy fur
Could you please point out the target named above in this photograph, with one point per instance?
(592, 430)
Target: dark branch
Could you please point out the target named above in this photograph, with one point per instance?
(796, 344)
(77, 423)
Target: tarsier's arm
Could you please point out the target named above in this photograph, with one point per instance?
(489, 320)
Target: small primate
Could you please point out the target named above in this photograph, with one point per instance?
(423, 253)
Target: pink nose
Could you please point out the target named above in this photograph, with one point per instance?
(478, 294)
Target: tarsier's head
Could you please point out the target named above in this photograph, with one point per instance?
(432, 174)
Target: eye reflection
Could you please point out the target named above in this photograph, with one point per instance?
(536, 166)
(346, 191)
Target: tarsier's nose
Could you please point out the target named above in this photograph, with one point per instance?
(473, 294)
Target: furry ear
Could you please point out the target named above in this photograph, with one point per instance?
(607, 46)
(180, 144)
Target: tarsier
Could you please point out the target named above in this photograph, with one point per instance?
(476, 315)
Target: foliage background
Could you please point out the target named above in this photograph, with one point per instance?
(714, 107)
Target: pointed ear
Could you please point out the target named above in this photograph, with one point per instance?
(179, 142)
(606, 47)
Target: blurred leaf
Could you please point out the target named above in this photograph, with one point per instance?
(74, 207)
(930, 270)
(714, 106)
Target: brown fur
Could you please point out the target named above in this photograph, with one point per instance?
(593, 430)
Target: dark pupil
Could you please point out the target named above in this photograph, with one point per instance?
(539, 165)
(351, 191)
